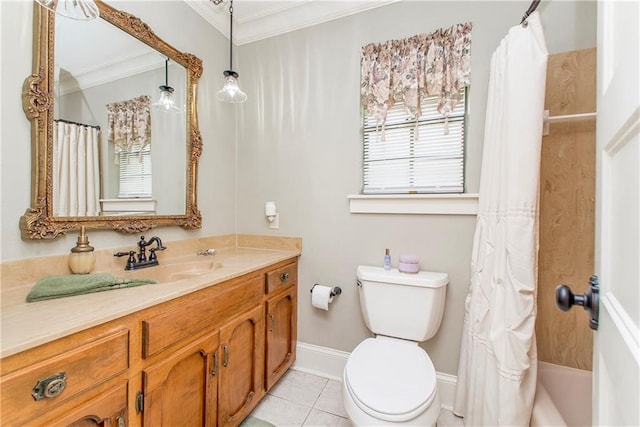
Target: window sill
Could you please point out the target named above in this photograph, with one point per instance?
(127, 206)
(417, 204)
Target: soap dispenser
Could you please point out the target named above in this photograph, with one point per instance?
(82, 258)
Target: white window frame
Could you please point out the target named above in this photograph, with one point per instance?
(409, 156)
(134, 175)
(409, 202)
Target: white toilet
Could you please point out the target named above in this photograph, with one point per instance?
(389, 379)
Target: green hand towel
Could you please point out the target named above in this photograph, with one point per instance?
(74, 284)
(251, 421)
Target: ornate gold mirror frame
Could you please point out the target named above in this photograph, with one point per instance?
(38, 221)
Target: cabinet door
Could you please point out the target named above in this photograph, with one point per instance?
(108, 409)
(281, 334)
(181, 389)
(241, 367)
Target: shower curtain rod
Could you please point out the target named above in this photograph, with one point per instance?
(532, 7)
(76, 123)
(547, 120)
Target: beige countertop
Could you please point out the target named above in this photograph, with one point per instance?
(26, 325)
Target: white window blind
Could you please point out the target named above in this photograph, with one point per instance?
(415, 158)
(135, 172)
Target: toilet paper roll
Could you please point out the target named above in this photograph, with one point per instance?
(321, 297)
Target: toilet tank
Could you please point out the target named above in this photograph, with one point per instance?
(401, 305)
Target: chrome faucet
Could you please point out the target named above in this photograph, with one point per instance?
(142, 261)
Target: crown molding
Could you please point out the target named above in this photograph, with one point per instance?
(119, 68)
(275, 18)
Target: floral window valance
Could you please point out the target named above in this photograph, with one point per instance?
(437, 64)
(129, 122)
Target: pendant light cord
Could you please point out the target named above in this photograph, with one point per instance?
(166, 72)
(231, 35)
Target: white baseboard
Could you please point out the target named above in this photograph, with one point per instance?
(447, 389)
(321, 361)
(329, 363)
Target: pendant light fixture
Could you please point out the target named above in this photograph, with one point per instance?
(81, 10)
(166, 103)
(231, 92)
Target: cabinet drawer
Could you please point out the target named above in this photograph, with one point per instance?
(282, 277)
(82, 367)
(196, 316)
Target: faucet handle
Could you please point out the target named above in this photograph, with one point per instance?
(152, 252)
(130, 254)
(131, 261)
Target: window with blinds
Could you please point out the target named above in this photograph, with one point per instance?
(135, 172)
(415, 157)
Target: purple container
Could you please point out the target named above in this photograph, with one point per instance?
(408, 264)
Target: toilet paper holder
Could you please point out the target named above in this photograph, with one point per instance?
(336, 290)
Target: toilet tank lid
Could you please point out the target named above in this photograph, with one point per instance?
(427, 279)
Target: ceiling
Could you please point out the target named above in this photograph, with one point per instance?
(124, 55)
(259, 19)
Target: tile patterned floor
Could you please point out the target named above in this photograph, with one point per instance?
(301, 399)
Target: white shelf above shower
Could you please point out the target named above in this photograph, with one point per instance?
(547, 120)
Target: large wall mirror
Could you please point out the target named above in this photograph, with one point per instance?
(104, 152)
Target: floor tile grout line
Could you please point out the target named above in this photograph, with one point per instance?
(320, 394)
(313, 406)
(322, 410)
(451, 421)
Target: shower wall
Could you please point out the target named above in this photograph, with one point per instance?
(567, 198)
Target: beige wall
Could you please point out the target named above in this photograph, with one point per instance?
(178, 24)
(299, 145)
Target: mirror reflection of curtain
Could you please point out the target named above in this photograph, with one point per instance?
(129, 123)
(76, 172)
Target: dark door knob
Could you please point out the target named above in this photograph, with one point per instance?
(590, 300)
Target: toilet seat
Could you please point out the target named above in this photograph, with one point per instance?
(390, 379)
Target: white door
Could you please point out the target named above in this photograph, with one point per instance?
(616, 364)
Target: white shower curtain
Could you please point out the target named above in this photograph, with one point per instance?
(76, 179)
(498, 360)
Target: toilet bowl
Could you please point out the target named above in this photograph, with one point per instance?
(402, 389)
(390, 380)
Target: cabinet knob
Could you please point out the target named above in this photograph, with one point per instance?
(50, 386)
(284, 277)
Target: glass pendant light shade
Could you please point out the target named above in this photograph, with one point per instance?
(166, 102)
(81, 10)
(231, 92)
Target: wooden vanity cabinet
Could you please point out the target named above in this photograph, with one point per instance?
(281, 336)
(203, 359)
